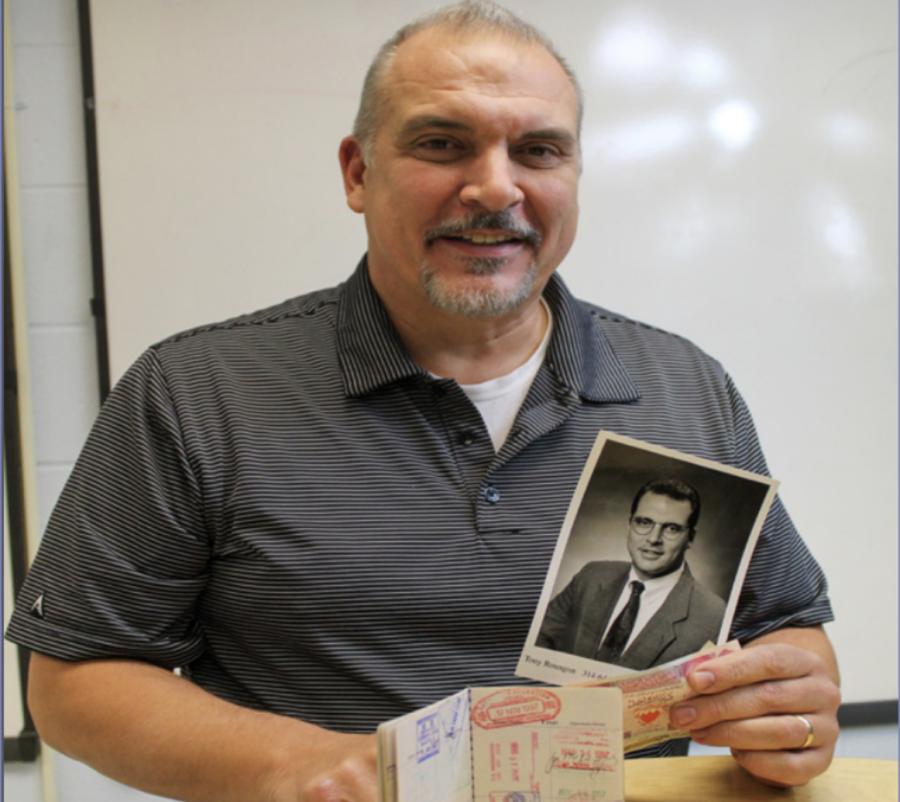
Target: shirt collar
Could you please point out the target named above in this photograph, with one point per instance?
(372, 354)
(370, 351)
(658, 584)
(580, 353)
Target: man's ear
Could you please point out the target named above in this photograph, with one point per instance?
(353, 169)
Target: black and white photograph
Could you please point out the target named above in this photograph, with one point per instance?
(649, 564)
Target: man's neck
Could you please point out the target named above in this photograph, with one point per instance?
(472, 349)
(671, 577)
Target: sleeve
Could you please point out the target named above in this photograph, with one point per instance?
(124, 559)
(784, 585)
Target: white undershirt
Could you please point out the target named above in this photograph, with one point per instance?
(656, 591)
(498, 400)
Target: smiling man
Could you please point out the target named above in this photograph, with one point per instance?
(469, 187)
(342, 508)
(646, 612)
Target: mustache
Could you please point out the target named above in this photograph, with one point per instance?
(494, 221)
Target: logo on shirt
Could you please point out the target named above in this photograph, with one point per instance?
(37, 609)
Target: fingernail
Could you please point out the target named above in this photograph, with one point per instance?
(682, 716)
(701, 680)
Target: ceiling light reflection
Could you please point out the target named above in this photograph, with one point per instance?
(841, 233)
(734, 123)
(704, 67)
(635, 49)
(847, 130)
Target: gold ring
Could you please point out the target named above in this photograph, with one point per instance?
(810, 732)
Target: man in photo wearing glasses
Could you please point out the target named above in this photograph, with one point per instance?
(646, 612)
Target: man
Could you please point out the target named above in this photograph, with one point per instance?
(648, 611)
(305, 512)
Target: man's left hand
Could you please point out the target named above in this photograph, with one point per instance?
(750, 701)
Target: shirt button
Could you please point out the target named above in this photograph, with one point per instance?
(491, 495)
(466, 438)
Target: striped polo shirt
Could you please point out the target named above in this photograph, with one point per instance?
(289, 508)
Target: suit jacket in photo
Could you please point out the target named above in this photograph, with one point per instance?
(577, 617)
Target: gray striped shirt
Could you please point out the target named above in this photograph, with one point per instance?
(289, 508)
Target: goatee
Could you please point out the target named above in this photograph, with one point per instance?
(487, 301)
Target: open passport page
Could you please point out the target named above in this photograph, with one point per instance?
(515, 744)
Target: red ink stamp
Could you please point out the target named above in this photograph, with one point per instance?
(650, 717)
(516, 706)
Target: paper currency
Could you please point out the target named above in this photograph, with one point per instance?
(648, 695)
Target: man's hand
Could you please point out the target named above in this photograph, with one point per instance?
(750, 700)
(343, 769)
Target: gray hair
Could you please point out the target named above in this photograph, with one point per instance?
(469, 16)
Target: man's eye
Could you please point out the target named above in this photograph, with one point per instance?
(673, 529)
(541, 153)
(643, 521)
(437, 148)
(437, 143)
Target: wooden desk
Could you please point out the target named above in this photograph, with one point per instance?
(720, 779)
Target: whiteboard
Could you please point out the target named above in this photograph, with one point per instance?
(739, 188)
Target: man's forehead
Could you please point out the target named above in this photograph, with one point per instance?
(662, 501)
(438, 57)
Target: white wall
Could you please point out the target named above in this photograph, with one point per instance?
(739, 187)
(53, 194)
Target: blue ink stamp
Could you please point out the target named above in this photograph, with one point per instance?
(455, 715)
(515, 796)
(428, 737)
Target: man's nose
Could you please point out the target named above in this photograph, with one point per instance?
(656, 533)
(491, 181)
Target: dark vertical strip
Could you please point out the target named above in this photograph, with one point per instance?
(25, 746)
(98, 302)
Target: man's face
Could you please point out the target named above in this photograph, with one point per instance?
(657, 553)
(470, 196)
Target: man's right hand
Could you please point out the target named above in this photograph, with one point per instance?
(148, 728)
(348, 772)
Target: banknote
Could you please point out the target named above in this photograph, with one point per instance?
(648, 695)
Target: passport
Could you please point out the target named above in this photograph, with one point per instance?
(506, 744)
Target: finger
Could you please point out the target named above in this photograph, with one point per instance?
(785, 768)
(749, 666)
(771, 733)
(815, 694)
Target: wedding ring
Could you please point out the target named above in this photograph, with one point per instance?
(810, 732)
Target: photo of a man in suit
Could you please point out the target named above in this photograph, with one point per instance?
(646, 612)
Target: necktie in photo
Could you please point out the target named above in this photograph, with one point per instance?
(620, 631)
